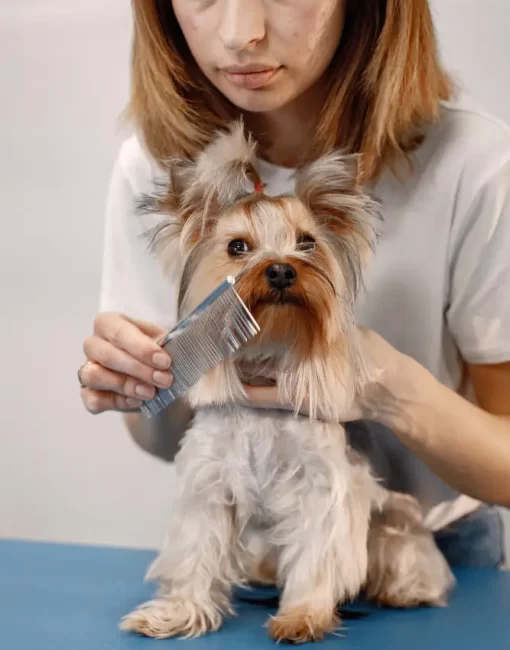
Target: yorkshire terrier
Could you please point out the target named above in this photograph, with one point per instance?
(269, 496)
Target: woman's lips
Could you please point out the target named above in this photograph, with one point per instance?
(251, 79)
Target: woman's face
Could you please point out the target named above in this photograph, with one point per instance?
(261, 54)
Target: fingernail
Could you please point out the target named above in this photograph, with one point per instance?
(163, 379)
(133, 403)
(144, 391)
(161, 360)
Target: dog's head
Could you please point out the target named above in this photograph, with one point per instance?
(298, 260)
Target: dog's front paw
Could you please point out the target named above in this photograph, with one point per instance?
(173, 616)
(302, 625)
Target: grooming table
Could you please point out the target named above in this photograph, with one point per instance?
(63, 597)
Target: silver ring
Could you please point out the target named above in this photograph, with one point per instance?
(82, 385)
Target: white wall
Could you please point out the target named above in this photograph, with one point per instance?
(65, 475)
(474, 37)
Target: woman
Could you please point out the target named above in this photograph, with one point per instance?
(310, 75)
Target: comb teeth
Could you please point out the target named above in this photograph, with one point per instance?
(214, 331)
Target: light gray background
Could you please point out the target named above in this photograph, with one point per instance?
(65, 475)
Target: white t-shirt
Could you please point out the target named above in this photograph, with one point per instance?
(438, 287)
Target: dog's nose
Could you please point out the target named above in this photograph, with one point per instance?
(281, 276)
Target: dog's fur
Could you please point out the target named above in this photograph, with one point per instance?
(269, 496)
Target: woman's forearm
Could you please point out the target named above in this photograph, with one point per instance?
(463, 444)
(161, 435)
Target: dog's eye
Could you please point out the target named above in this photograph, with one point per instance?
(306, 242)
(238, 247)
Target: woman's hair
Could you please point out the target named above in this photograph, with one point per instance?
(384, 85)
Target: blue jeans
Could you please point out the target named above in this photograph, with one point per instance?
(476, 540)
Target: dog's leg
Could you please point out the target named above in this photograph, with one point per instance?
(307, 609)
(323, 550)
(195, 577)
(197, 567)
(406, 568)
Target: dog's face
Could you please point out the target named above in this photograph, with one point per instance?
(297, 260)
(287, 274)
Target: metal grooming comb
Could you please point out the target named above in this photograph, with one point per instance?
(213, 331)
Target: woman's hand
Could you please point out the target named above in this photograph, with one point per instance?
(395, 377)
(432, 419)
(124, 364)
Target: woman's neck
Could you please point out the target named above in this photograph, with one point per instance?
(285, 135)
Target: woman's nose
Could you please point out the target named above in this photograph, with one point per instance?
(243, 24)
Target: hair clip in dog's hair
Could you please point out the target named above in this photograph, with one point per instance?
(259, 186)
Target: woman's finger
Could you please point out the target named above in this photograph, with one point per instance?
(268, 397)
(95, 376)
(153, 331)
(265, 397)
(126, 335)
(97, 401)
(107, 355)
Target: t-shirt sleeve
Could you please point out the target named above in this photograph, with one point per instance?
(478, 314)
(133, 281)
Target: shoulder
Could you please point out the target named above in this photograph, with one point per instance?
(136, 165)
(469, 146)
(459, 121)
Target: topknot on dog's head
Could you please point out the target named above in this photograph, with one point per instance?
(227, 168)
(199, 190)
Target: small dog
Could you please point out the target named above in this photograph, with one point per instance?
(275, 497)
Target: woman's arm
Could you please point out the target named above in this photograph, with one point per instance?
(162, 434)
(133, 283)
(466, 445)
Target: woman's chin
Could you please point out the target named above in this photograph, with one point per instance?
(260, 100)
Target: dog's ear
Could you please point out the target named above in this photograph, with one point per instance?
(168, 192)
(331, 190)
(165, 202)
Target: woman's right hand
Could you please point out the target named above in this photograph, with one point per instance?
(124, 364)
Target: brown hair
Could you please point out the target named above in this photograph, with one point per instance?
(385, 83)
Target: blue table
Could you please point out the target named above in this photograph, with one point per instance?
(59, 597)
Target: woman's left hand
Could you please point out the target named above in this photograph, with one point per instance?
(396, 378)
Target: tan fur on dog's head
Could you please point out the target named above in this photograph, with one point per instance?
(313, 244)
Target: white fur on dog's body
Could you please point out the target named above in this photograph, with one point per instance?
(287, 476)
(253, 484)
